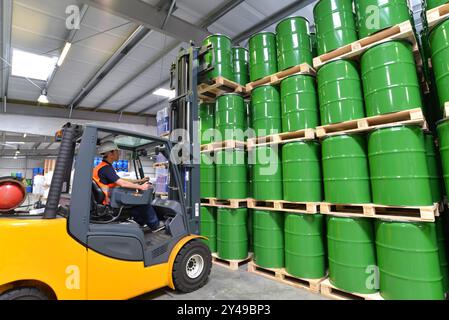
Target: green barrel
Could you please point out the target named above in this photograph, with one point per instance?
(398, 166)
(262, 55)
(231, 174)
(250, 230)
(439, 44)
(267, 174)
(299, 103)
(441, 241)
(293, 43)
(221, 57)
(207, 122)
(340, 92)
(352, 254)
(301, 172)
(208, 227)
(305, 246)
(409, 265)
(443, 136)
(335, 24)
(230, 118)
(432, 166)
(232, 233)
(268, 235)
(313, 44)
(390, 81)
(207, 174)
(266, 110)
(389, 13)
(345, 169)
(430, 4)
(240, 61)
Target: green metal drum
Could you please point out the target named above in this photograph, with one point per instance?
(267, 174)
(231, 174)
(352, 254)
(390, 81)
(207, 174)
(441, 241)
(408, 260)
(223, 57)
(340, 92)
(335, 24)
(439, 44)
(432, 166)
(301, 171)
(240, 60)
(293, 42)
(305, 246)
(268, 239)
(266, 110)
(232, 233)
(208, 227)
(430, 4)
(398, 166)
(249, 225)
(345, 169)
(389, 13)
(443, 135)
(299, 103)
(262, 50)
(230, 118)
(207, 122)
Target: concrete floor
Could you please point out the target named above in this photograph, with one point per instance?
(237, 285)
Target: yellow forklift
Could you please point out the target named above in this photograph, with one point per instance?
(78, 248)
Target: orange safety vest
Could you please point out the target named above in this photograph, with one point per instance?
(106, 188)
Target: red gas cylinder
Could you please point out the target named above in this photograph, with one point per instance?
(12, 194)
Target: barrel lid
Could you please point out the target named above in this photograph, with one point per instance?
(394, 126)
(298, 74)
(335, 61)
(339, 134)
(320, 1)
(435, 27)
(292, 17)
(383, 43)
(262, 32)
(217, 34)
(230, 94)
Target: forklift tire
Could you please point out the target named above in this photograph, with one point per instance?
(26, 293)
(192, 267)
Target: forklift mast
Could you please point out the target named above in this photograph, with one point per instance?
(184, 115)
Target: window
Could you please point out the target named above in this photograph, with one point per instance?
(30, 65)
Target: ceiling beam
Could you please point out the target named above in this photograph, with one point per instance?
(6, 26)
(276, 17)
(28, 139)
(154, 105)
(125, 49)
(149, 16)
(30, 153)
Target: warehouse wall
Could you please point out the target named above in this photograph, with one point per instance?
(25, 166)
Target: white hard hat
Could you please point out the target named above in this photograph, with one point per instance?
(107, 147)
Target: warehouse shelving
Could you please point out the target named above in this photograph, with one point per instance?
(406, 117)
(277, 77)
(282, 276)
(330, 291)
(232, 265)
(369, 210)
(437, 15)
(209, 92)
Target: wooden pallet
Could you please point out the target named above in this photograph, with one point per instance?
(232, 265)
(281, 138)
(407, 117)
(396, 213)
(284, 206)
(283, 276)
(223, 145)
(224, 203)
(218, 86)
(331, 291)
(277, 77)
(437, 15)
(402, 31)
(160, 165)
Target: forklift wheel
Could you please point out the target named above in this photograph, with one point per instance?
(24, 294)
(192, 266)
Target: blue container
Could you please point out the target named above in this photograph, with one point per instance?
(29, 189)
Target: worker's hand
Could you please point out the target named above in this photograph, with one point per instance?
(145, 186)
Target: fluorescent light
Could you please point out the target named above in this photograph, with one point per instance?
(64, 53)
(30, 65)
(13, 142)
(24, 135)
(165, 93)
(43, 99)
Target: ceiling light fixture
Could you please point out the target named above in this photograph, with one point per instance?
(165, 93)
(64, 53)
(43, 98)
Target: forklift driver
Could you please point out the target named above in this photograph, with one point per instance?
(106, 178)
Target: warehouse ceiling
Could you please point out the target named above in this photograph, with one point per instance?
(119, 56)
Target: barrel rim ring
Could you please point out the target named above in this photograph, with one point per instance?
(441, 121)
(394, 126)
(262, 32)
(292, 17)
(265, 85)
(230, 94)
(239, 47)
(383, 43)
(337, 60)
(435, 27)
(298, 74)
(339, 134)
(217, 34)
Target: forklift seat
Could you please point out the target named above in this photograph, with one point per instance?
(97, 193)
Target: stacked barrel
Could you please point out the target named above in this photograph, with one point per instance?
(224, 173)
